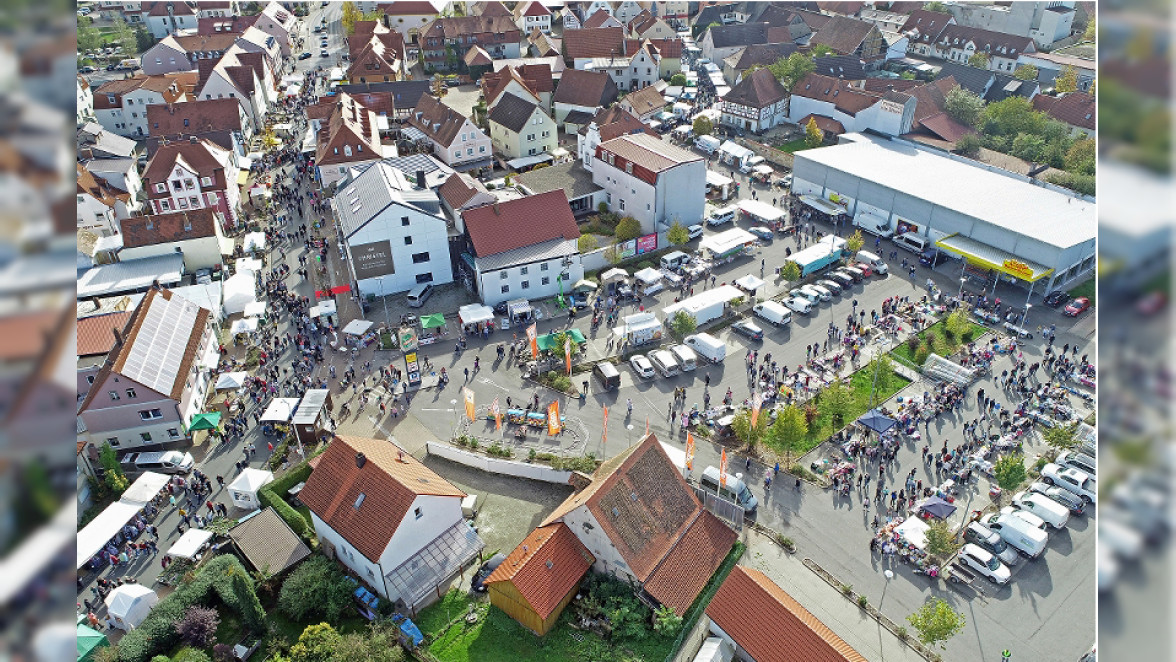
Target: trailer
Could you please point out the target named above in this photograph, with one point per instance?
(762, 212)
(825, 252)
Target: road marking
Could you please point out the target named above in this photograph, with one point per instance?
(438, 410)
(488, 382)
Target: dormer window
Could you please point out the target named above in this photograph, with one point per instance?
(347, 150)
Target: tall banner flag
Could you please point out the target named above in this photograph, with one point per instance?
(497, 412)
(469, 402)
(755, 409)
(554, 426)
(723, 469)
(647, 426)
(568, 354)
(689, 451)
(533, 339)
(604, 437)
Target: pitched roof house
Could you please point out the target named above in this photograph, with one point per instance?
(531, 81)
(540, 577)
(498, 35)
(758, 103)
(850, 36)
(606, 124)
(532, 15)
(193, 174)
(757, 55)
(855, 108)
(644, 103)
(220, 121)
(583, 91)
(519, 127)
(378, 55)
(461, 192)
(389, 518)
(456, 140)
(349, 137)
(242, 75)
(195, 233)
(101, 206)
(1078, 110)
(959, 43)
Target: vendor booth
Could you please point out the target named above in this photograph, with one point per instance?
(649, 281)
(719, 185)
(89, 642)
(583, 286)
(475, 316)
(231, 381)
(830, 210)
(240, 290)
(106, 528)
(243, 490)
(129, 604)
(762, 212)
(253, 264)
(639, 329)
(614, 275)
(914, 532)
(191, 545)
(726, 245)
(311, 416)
(547, 341)
(255, 309)
(244, 325)
(357, 327)
(519, 310)
(280, 410)
(254, 241)
(145, 488)
(749, 283)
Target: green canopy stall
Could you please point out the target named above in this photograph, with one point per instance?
(89, 641)
(546, 342)
(206, 421)
(432, 321)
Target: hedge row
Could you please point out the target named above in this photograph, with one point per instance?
(223, 575)
(271, 496)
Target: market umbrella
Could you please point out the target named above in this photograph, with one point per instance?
(876, 421)
(938, 507)
(231, 380)
(89, 641)
(432, 321)
(206, 421)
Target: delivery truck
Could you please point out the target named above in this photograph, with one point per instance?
(820, 255)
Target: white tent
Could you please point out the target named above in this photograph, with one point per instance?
(246, 325)
(280, 410)
(254, 240)
(244, 489)
(255, 309)
(750, 283)
(914, 531)
(327, 307)
(616, 273)
(249, 264)
(357, 327)
(102, 528)
(648, 275)
(144, 488)
(639, 328)
(474, 313)
(129, 604)
(231, 380)
(190, 544)
(239, 292)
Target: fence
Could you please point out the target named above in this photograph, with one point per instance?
(498, 466)
(721, 508)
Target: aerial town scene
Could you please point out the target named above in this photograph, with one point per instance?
(413, 330)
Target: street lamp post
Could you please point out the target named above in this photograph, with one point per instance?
(1025, 319)
(629, 427)
(384, 296)
(960, 295)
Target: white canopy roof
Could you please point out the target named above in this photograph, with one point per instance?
(103, 527)
(189, 544)
(726, 241)
(648, 275)
(245, 325)
(717, 179)
(761, 210)
(357, 327)
(636, 323)
(239, 292)
(734, 149)
(254, 240)
(914, 531)
(280, 410)
(131, 603)
(616, 273)
(251, 480)
(249, 264)
(474, 313)
(145, 488)
(255, 309)
(231, 380)
(326, 307)
(750, 282)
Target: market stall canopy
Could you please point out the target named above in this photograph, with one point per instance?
(207, 421)
(249, 264)
(254, 241)
(547, 342)
(914, 531)
(938, 507)
(717, 179)
(518, 308)
(750, 283)
(255, 309)
(762, 211)
(259, 190)
(357, 327)
(311, 405)
(251, 480)
(648, 275)
(434, 320)
(327, 307)
(102, 528)
(129, 605)
(145, 488)
(189, 544)
(822, 205)
(727, 241)
(245, 325)
(239, 292)
(231, 380)
(616, 273)
(89, 641)
(876, 421)
(584, 285)
(280, 410)
(638, 324)
(474, 313)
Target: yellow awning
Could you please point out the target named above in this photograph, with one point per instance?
(984, 255)
(242, 177)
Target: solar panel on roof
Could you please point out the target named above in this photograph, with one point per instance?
(155, 358)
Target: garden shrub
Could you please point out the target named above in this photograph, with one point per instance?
(271, 497)
(316, 588)
(189, 654)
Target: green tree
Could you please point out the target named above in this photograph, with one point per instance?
(682, 324)
(936, 622)
(821, 50)
(935, 5)
(317, 643)
(1067, 80)
(854, 242)
(703, 126)
(1025, 72)
(677, 234)
(377, 644)
(1012, 116)
(628, 228)
(612, 254)
(788, 431)
(351, 14)
(88, 36)
(907, 75)
(143, 39)
(1010, 471)
(752, 436)
(315, 589)
(837, 399)
(813, 136)
(124, 35)
(1061, 437)
(964, 106)
(1028, 147)
(1081, 157)
(790, 272)
(587, 243)
(666, 621)
(1091, 29)
(940, 542)
(113, 474)
(969, 145)
(978, 60)
(678, 80)
(958, 324)
(792, 69)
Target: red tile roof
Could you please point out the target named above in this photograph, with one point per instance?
(759, 616)
(96, 333)
(645, 101)
(825, 124)
(670, 47)
(649, 155)
(615, 121)
(437, 121)
(928, 24)
(1076, 109)
(596, 20)
(545, 567)
(194, 117)
(26, 334)
(689, 566)
(942, 125)
(389, 481)
(759, 89)
(844, 96)
(198, 155)
(222, 24)
(996, 44)
(505, 226)
(158, 229)
(408, 8)
(593, 42)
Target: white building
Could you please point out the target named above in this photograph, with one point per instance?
(349, 137)
(959, 43)
(758, 103)
(457, 141)
(651, 180)
(197, 234)
(278, 22)
(392, 244)
(120, 106)
(532, 15)
(1044, 22)
(170, 16)
(520, 128)
(855, 109)
(390, 519)
(246, 77)
(100, 206)
(630, 72)
(85, 101)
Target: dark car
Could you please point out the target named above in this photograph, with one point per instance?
(479, 582)
(1056, 298)
(749, 329)
(764, 233)
(305, 55)
(932, 257)
(86, 70)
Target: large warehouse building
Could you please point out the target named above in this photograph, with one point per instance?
(1006, 226)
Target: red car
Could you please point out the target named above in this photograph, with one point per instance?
(1151, 303)
(1077, 306)
(867, 270)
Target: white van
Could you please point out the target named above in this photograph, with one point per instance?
(734, 489)
(1018, 533)
(707, 144)
(164, 462)
(722, 215)
(873, 225)
(672, 261)
(707, 346)
(419, 294)
(799, 305)
(750, 163)
(687, 359)
(1052, 512)
(663, 361)
(773, 312)
(912, 242)
(876, 263)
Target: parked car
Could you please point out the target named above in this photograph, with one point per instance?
(694, 231)
(932, 257)
(762, 232)
(1056, 298)
(844, 280)
(989, 540)
(866, 269)
(1118, 537)
(479, 583)
(1151, 303)
(798, 305)
(983, 562)
(1073, 480)
(1023, 515)
(1079, 461)
(324, 53)
(1077, 307)
(853, 272)
(305, 55)
(1065, 497)
(824, 292)
(86, 70)
(642, 366)
(811, 296)
(830, 285)
(749, 329)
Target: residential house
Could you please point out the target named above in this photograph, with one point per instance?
(256, 40)
(98, 334)
(854, 109)
(540, 577)
(844, 67)
(886, 21)
(643, 523)
(220, 121)
(923, 28)
(647, 26)
(850, 36)
(207, 9)
(569, 15)
(753, 614)
(193, 174)
(122, 175)
(348, 138)
(986, 84)
(232, 23)
(195, 233)
(760, 55)
(390, 519)
(626, 10)
(445, 40)
(456, 140)
(521, 249)
(1077, 110)
(669, 56)
(95, 142)
(243, 76)
(519, 127)
(406, 94)
(758, 103)
(169, 16)
(409, 17)
(378, 55)
(1046, 23)
(582, 92)
(571, 178)
(121, 105)
(100, 206)
(85, 101)
(529, 81)
(532, 15)
(489, 9)
(461, 192)
(644, 103)
(676, 12)
(635, 66)
(931, 118)
(280, 23)
(897, 45)
(1050, 65)
(393, 241)
(178, 52)
(789, 16)
(721, 41)
(601, 19)
(958, 43)
(545, 45)
(156, 378)
(608, 123)
(651, 180)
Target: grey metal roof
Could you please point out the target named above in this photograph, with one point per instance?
(373, 191)
(131, 275)
(310, 407)
(268, 542)
(436, 172)
(512, 112)
(547, 250)
(972, 79)
(569, 176)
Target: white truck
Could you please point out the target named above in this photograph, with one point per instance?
(707, 346)
(874, 225)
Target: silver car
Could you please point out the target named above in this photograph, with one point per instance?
(1064, 497)
(830, 285)
(825, 293)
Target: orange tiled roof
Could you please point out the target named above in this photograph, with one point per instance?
(545, 566)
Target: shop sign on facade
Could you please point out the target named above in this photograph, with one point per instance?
(1018, 268)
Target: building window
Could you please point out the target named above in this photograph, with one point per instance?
(526, 284)
(482, 149)
(183, 203)
(114, 395)
(161, 188)
(145, 436)
(113, 441)
(501, 275)
(622, 205)
(90, 379)
(419, 258)
(408, 241)
(425, 277)
(543, 267)
(505, 289)
(523, 270)
(165, 205)
(150, 414)
(206, 181)
(404, 221)
(417, 513)
(212, 198)
(131, 393)
(173, 433)
(545, 281)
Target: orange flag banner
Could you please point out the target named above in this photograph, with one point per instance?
(647, 426)
(723, 469)
(604, 436)
(554, 426)
(755, 409)
(533, 338)
(568, 354)
(496, 410)
(689, 451)
(469, 402)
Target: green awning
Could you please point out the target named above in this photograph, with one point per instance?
(89, 641)
(546, 342)
(432, 321)
(206, 421)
